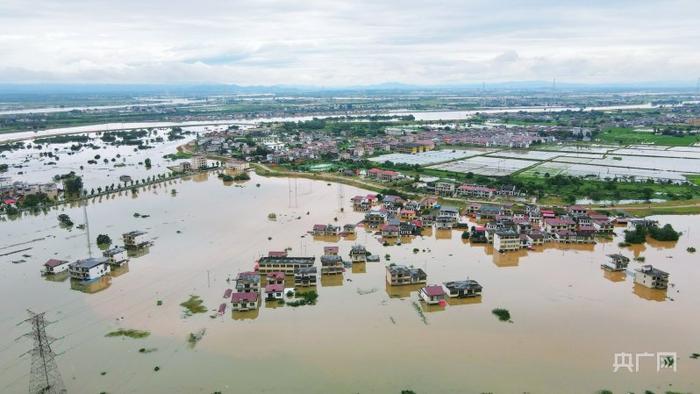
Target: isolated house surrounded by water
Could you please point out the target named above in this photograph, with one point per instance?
(398, 275)
(54, 266)
(617, 262)
(651, 277)
(116, 256)
(463, 288)
(358, 254)
(432, 294)
(89, 269)
(244, 301)
(332, 265)
(135, 240)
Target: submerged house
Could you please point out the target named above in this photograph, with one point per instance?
(330, 250)
(55, 266)
(398, 275)
(617, 262)
(305, 277)
(432, 294)
(135, 240)
(276, 277)
(274, 291)
(288, 265)
(332, 265)
(116, 256)
(89, 269)
(248, 282)
(506, 240)
(244, 301)
(321, 230)
(358, 254)
(651, 277)
(463, 288)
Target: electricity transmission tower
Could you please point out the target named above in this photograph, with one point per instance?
(45, 377)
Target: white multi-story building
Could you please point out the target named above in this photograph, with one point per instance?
(89, 269)
(504, 241)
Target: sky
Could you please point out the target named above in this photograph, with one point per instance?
(330, 43)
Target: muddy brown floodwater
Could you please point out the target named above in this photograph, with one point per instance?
(569, 316)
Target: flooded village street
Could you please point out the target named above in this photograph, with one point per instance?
(569, 317)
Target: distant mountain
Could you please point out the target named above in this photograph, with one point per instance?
(387, 87)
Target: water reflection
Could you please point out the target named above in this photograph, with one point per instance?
(93, 286)
(401, 291)
(245, 315)
(614, 276)
(649, 294)
(135, 253)
(661, 244)
(443, 233)
(359, 268)
(331, 280)
(432, 308)
(60, 277)
(119, 270)
(454, 301)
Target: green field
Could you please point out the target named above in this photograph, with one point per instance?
(626, 136)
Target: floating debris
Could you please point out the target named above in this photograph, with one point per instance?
(370, 291)
(135, 334)
(193, 338)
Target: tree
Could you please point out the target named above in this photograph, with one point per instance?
(104, 239)
(73, 185)
(147, 163)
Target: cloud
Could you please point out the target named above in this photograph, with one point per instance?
(332, 42)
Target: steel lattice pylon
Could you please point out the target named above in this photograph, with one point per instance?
(44, 377)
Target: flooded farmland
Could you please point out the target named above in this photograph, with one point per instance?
(569, 317)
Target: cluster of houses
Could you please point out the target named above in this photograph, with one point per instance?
(646, 275)
(13, 192)
(401, 275)
(93, 268)
(277, 266)
(506, 226)
(330, 230)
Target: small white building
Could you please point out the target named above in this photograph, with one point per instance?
(89, 269)
(650, 277)
(432, 294)
(55, 266)
(116, 256)
(135, 239)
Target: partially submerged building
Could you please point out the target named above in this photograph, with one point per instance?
(651, 277)
(89, 269)
(135, 240)
(305, 277)
(332, 265)
(463, 288)
(116, 256)
(244, 301)
(432, 294)
(55, 266)
(288, 265)
(248, 282)
(617, 262)
(398, 275)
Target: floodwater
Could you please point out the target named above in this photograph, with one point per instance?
(419, 115)
(569, 316)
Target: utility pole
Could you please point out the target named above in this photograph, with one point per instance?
(87, 228)
(45, 377)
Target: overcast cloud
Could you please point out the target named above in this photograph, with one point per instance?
(354, 42)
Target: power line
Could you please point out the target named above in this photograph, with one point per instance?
(44, 375)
